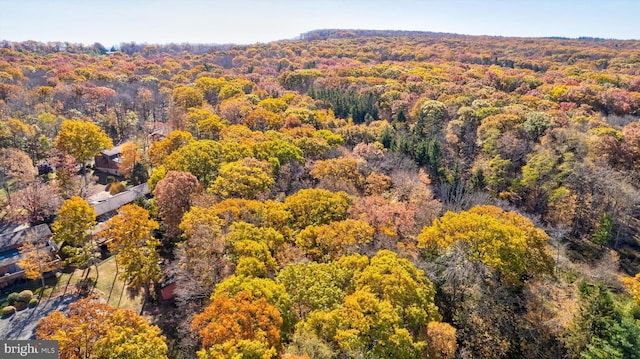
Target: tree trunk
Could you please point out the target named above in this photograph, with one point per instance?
(95, 262)
(87, 260)
(41, 270)
(85, 190)
(115, 278)
(42, 282)
(97, 276)
(124, 287)
(144, 299)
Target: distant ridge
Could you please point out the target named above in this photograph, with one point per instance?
(325, 34)
(132, 47)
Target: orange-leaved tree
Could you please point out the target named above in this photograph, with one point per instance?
(97, 330)
(242, 324)
(36, 260)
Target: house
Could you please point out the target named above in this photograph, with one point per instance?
(108, 161)
(109, 206)
(10, 255)
(159, 132)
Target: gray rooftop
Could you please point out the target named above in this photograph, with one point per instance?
(8, 240)
(121, 199)
(48, 246)
(112, 152)
(12, 239)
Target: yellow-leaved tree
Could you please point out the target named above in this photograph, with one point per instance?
(386, 312)
(407, 288)
(633, 286)
(504, 241)
(246, 178)
(161, 149)
(441, 341)
(72, 230)
(363, 327)
(130, 156)
(82, 140)
(317, 206)
(331, 241)
(336, 173)
(128, 236)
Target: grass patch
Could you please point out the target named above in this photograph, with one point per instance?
(114, 290)
(107, 285)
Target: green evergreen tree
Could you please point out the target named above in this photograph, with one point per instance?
(604, 232)
(139, 174)
(386, 136)
(401, 117)
(436, 160)
(421, 153)
(478, 181)
(601, 330)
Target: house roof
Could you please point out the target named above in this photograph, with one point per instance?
(49, 246)
(8, 240)
(112, 152)
(121, 199)
(160, 128)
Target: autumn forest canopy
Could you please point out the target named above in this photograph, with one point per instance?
(353, 194)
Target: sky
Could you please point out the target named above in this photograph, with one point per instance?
(250, 21)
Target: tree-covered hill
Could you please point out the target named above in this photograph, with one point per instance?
(353, 194)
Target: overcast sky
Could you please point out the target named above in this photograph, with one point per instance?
(250, 21)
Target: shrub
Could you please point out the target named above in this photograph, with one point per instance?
(33, 302)
(13, 298)
(25, 296)
(116, 188)
(111, 179)
(8, 310)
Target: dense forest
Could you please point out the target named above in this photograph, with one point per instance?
(352, 194)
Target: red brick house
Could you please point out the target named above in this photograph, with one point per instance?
(108, 160)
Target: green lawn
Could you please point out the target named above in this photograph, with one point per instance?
(114, 289)
(108, 286)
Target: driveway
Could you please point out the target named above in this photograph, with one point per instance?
(22, 325)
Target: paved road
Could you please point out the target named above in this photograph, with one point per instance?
(22, 325)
